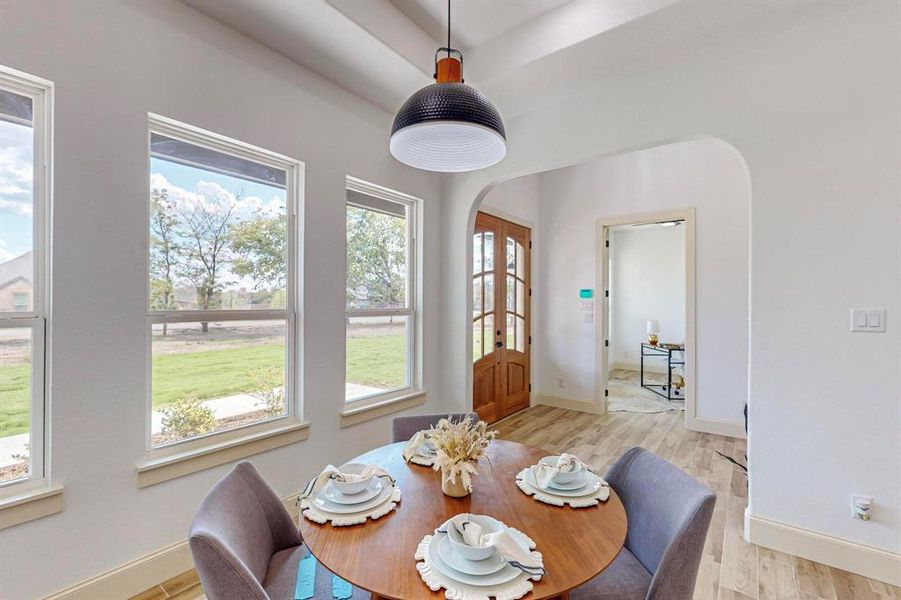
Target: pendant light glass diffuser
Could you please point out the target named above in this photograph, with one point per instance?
(448, 126)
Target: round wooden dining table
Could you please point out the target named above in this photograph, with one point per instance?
(576, 543)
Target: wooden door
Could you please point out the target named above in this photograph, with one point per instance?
(500, 321)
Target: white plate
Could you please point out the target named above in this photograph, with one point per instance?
(471, 567)
(426, 450)
(591, 486)
(345, 509)
(506, 574)
(572, 485)
(332, 494)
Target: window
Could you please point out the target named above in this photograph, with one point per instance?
(25, 121)
(380, 298)
(221, 290)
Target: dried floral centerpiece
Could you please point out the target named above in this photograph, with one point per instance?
(459, 445)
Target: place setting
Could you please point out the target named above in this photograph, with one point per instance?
(476, 557)
(349, 495)
(421, 449)
(563, 480)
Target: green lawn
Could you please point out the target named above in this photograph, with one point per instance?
(374, 360)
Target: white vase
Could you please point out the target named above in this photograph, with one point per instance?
(453, 488)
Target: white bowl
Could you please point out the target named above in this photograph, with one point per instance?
(349, 488)
(563, 477)
(488, 524)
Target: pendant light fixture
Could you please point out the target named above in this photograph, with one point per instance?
(448, 126)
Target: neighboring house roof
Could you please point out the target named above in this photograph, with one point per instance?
(14, 280)
(20, 267)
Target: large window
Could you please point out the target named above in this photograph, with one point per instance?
(221, 289)
(24, 197)
(381, 293)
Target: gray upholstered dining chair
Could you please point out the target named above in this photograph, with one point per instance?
(404, 427)
(669, 513)
(245, 544)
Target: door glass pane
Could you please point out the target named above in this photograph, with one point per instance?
(488, 346)
(376, 355)
(16, 203)
(520, 298)
(15, 403)
(477, 253)
(208, 377)
(489, 292)
(510, 333)
(520, 334)
(511, 255)
(477, 296)
(520, 261)
(489, 251)
(477, 340)
(511, 293)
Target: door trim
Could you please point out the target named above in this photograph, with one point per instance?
(602, 326)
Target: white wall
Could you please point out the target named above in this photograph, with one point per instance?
(112, 62)
(702, 174)
(808, 95)
(647, 281)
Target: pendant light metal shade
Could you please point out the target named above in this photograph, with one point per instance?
(448, 127)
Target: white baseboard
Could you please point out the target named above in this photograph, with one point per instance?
(735, 429)
(142, 574)
(868, 561)
(579, 404)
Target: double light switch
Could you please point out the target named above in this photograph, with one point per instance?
(868, 319)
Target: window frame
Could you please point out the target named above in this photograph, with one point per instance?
(38, 318)
(412, 310)
(291, 314)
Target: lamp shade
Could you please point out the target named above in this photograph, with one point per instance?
(653, 326)
(448, 127)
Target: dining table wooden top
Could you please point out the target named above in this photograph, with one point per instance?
(576, 543)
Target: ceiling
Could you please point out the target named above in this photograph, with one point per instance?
(523, 54)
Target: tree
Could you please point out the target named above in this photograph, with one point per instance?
(164, 250)
(376, 259)
(260, 247)
(205, 225)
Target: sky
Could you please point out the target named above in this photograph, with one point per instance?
(16, 181)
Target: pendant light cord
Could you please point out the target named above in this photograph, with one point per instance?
(448, 28)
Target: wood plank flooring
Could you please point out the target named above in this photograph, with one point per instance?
(731, 569)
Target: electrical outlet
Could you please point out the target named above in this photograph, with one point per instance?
(561, 383)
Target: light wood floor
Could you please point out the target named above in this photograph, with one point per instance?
(731, 569)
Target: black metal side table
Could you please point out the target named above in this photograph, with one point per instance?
(660, 351)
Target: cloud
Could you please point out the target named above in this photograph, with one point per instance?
(16, 170)
(5, 253)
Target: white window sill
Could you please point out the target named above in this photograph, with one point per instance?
(366, 410)
(36, 503)
(164, 468)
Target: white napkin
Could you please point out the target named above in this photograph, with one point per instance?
(510, 548)
(412, 447)
(332, 472)
(565, 463)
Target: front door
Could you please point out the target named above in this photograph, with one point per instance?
(500, 317)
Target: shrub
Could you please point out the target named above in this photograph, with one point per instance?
(269, 390)
(188, 417)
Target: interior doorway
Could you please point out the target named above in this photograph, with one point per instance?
(647, 352)
(501, 330)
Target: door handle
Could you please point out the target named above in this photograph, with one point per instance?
(499, 344)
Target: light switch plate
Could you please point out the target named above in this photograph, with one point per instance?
(871, 320)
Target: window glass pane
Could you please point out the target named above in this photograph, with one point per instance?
(489, 251)
(511, 255)
(218, 237)
(511, 293)
(477, 240)
(376, 259)
(16, 203)
(520, 298)
(15, 403)
(376, 355)
(477, 297)
(520, 334)
(489, 292)
(477, 344)
(209, 377)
